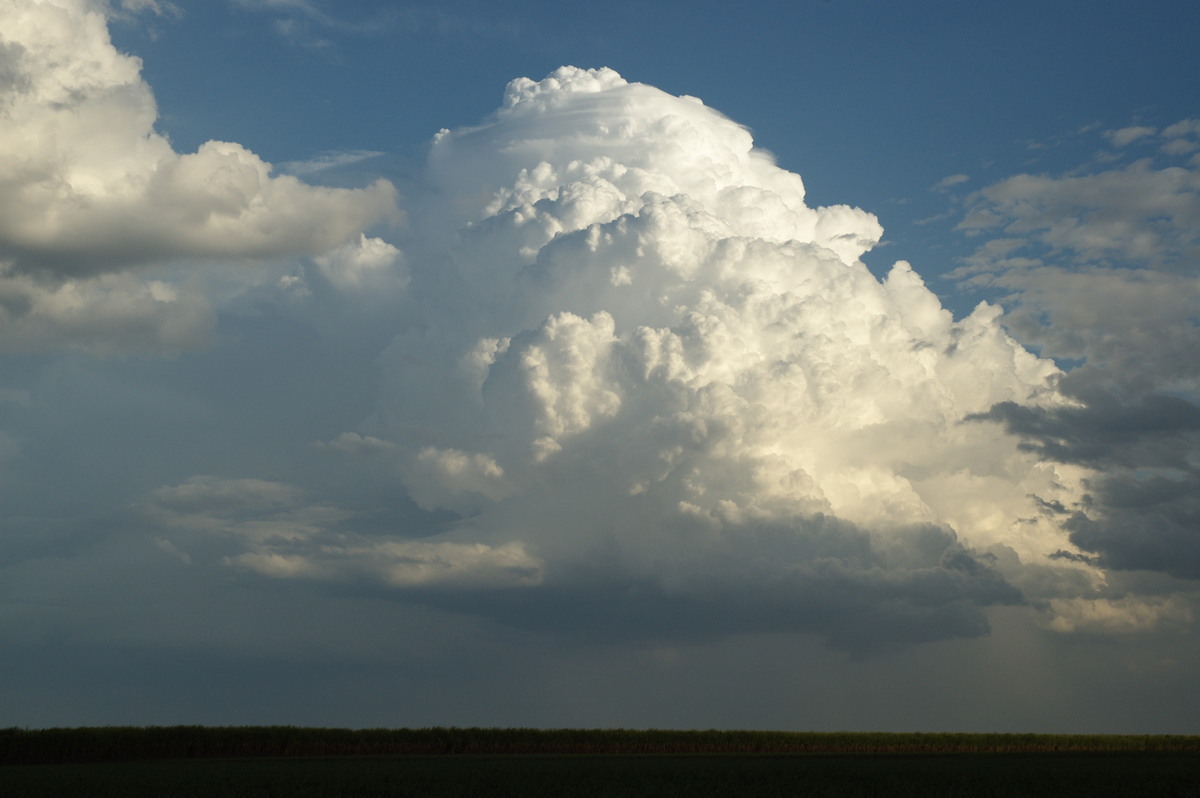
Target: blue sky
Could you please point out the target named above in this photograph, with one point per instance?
(872, 103)
(605, 405)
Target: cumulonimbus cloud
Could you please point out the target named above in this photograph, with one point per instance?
(635, 352)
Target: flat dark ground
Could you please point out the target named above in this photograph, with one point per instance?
(1145, 774)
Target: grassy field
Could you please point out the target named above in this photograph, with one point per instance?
(307, 763)
(112, 743)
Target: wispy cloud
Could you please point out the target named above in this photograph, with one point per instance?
(327, 161)
(1126, 135)
(948, 182)
(307, 22)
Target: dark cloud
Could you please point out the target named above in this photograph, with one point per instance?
(1105, 432)
(1142, 508)
(1150, 523)
(821, 576)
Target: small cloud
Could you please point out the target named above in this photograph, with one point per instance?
(355, 445)
(224, 497)
(1180, 146)
(937, 217)
(1182, 128)
(326, 161)
(946, 183)
(162, 8)
(1133, 615)
(369, 264)
(1126, 135)
(401, 564)
(1181, 137)
(296, 20)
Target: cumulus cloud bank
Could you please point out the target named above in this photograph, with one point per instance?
(661, 393)
(89, 188)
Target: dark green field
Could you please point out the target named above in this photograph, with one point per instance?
(306, 763)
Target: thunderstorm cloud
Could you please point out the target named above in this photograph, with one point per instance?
(598, 372)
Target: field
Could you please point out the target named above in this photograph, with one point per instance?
(439, 763)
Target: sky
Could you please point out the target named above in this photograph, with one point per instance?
(823, 365)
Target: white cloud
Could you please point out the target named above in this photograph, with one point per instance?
(948, 182)
(1181, 128)
(327, 161)
(89, 185)
(1138, 213)
(88, 188)
(453, 479)
(368, 264)
(1121, 616)
(1100, 267)
(1182, 138)
(353, 444)
(653, 360)
(1126, 135)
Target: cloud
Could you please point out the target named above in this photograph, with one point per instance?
(89, 189)
(90, 186)
(1105, 430)
(660, 372)
(299, 8)
(403, 564)
(327, 161)
(1137, 213)
(632, 386)
(211, 496)
(368, 264)
(1127, 616)
(269, 528)
(304, 23)
(1141, 510)
(353, 444)
(1126, 135)
(948, 182)
(1183, 138)
(109, 314)
(1100, 269)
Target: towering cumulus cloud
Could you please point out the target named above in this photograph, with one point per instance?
(637, 357)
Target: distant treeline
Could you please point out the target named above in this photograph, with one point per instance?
(127, 743)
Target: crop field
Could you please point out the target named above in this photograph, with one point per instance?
(299, 763)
